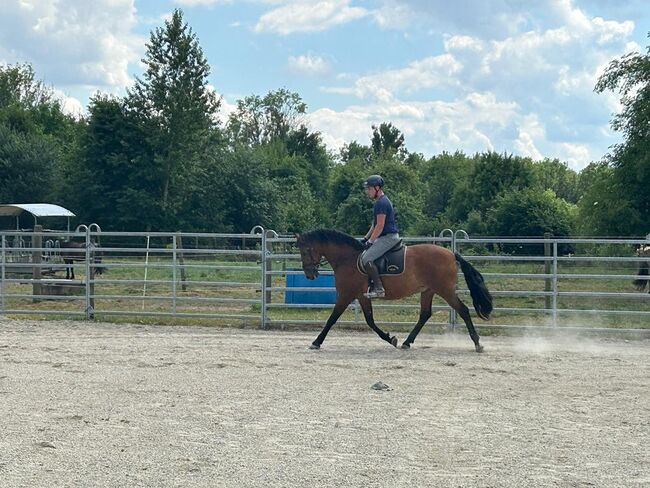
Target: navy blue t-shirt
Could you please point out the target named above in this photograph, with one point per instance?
(384, 206)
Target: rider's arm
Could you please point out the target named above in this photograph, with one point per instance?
(378, 228)
(369, 233)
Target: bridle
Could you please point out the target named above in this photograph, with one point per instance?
(309, 263)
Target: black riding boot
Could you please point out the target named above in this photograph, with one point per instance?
(377, 290)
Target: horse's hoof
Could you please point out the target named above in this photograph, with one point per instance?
(406, 346)
(478, 348)
(314, 346)
(393, 341)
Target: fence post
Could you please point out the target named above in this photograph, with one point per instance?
(37, 258)
(181, 259)
(452, 312)
(2, 275)
(548, 282)
(263, 280)
(90, 279)
(555, 283)
(174, 274)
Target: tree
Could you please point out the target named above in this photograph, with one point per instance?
(250, 195)
(116, 164)
(492, 174)
(552, 174)
(260, 120)
(631, 159)
(27, 163)
(19, 86)
(177, 111)
(442, 175)
(531, 212)
(387, 139)
(601, 210)
(37, 140)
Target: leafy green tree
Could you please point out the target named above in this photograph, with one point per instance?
(387, 138)
(601, 211)
(19, 86)
(260, 120)
(492, 174)
(37, 140)
(441, 176)
(27, 163)
(552, 174)
(354, 150)
(250, 194)
(531, 212)
(111, 183)
(177, 112)
(630, 75)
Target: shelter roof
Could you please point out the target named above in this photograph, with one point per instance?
(36, 209)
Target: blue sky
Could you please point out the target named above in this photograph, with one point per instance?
(469, 75)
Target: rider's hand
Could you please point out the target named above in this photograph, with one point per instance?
(367, 244)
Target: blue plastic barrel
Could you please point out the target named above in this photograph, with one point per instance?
(315, 297)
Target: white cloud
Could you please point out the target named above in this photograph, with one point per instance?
(308, 64)
(225, 109)
(200, 3)
(308, 16)
(530, 130)
(72, 42)
(439, 125)
(576, 155)
(394, 16)
(425, 73)
(69, 105)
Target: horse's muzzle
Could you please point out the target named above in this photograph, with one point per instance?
(311, 273)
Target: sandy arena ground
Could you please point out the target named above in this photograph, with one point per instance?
(97, 405)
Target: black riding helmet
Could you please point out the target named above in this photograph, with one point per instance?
(373, 180)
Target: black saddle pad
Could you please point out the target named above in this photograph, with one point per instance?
(391, 263)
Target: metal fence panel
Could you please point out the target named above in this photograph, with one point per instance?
(574, 284)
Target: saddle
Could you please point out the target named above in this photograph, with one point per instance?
(392, 262)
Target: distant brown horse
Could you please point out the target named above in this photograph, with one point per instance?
(640, 283)
(430, 270)
(76, 251)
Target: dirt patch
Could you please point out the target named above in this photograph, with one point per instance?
(91, 404)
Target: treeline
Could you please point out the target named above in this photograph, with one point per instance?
(159, 158)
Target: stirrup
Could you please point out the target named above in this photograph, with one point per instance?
(381, 293)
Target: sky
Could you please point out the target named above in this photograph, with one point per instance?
(509, 76)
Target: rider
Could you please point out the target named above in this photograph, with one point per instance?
(383, 233)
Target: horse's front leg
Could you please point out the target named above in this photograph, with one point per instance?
(340, 306)
(366, 306)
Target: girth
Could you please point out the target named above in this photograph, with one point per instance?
(392, 262)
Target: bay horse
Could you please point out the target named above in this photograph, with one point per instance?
(640, 284)
(76, 251)
(429, 269)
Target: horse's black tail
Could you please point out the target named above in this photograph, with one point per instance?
(480, 295)
(643, 271)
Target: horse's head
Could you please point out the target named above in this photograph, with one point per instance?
(309, 256)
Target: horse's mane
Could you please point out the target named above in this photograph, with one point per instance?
(330, 235)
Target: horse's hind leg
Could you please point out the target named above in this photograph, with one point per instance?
(366, 306)
(457, 304)
(425, 313)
